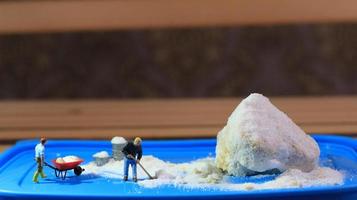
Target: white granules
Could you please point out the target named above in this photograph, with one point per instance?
(203, 173)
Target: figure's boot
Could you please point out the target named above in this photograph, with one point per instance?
(135, 179)
(43, 175)
(125, 178)
(35, 177)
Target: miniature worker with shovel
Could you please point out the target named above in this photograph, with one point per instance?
(40, 159)
(133, 153)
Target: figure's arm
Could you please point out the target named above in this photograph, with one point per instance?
(126, 152)
(42, 156)
(140, 153)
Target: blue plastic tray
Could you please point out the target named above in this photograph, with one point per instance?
(17, 167)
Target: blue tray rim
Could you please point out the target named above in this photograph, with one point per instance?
(25, 145)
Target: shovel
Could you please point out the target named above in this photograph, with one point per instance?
(142, 167)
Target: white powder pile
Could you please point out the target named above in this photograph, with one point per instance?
(101, 154)
(67, 159)
(258, 137)
(59, 160)
(203, 173)
(70, 158)
(118, 140)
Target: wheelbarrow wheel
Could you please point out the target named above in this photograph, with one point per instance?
(78, 170)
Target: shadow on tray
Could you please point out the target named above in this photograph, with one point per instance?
(72, 180)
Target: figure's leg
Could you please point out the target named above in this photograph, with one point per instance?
(35, 177)
(135, 178)
(126, 168)
(37, 173)
(43, 175)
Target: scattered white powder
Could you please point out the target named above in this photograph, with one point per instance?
(118, 140)
(294, 178)
(203, 173)
(70, 158)
(101, 154)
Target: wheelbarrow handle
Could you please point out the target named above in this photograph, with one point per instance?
(50, 166)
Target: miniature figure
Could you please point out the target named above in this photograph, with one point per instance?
(133, 154)
(40, 159)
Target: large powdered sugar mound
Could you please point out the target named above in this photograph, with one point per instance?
(259, 137)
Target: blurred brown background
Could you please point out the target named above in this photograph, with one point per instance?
(318, 59)
(101, 68)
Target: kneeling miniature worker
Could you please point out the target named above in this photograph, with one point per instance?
(40, 159)
(133, 153)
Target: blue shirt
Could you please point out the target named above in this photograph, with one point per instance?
(39, 150)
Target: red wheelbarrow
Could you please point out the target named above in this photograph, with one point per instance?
(62, 168)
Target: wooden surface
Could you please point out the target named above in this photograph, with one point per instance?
(162, 118)
(4, 147)
(73, 15)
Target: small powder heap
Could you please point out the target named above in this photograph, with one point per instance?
(60, 160)
(118, 140)
(67, 159)
(101, 154)
(70, 158)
